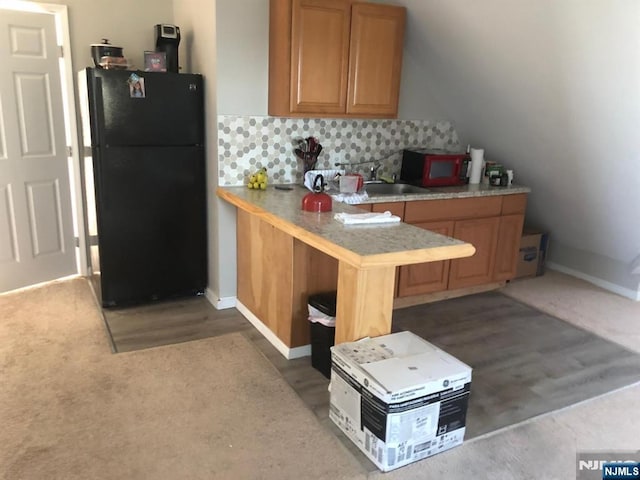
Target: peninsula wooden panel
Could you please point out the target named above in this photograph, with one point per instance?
(265, 266)
(428, 277)
(365, 302)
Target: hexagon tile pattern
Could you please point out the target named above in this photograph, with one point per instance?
(248, 143)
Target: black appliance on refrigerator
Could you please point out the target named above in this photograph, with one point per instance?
(147, 144)
(167, 40)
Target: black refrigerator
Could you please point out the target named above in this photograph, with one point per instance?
(147, 147)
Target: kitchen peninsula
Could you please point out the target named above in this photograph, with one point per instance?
(285, 254)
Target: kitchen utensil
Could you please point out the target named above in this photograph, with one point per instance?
(317, 201)
(298, 142)
(104, 49)
(312, 142)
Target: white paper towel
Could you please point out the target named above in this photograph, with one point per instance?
(477, 159)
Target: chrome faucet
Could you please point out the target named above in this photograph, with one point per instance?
(373, 170)
(373, 173)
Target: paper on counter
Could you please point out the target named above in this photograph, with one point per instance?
(366, 218)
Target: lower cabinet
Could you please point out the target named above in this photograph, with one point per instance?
(477, 269)
(493, 225)
(509, 234)
(426, 277)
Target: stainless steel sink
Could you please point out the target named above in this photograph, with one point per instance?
(393, 189)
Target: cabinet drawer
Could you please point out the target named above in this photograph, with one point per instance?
(454, 209)
(512, 204)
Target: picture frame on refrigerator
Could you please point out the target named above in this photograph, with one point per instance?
(155, 61)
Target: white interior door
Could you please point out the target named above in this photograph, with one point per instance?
(36, 223)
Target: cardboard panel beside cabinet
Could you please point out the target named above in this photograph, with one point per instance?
(532, 253)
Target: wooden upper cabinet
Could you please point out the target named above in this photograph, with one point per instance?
(337, 58)
(319, 55)
(375, 59)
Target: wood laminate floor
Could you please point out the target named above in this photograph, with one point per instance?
(525, 363)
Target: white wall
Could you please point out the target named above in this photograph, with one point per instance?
(126, 24)
(550, 87)
(197, 22)
(243, 56)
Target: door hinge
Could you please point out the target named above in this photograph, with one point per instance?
(61, 51)
(69, 151)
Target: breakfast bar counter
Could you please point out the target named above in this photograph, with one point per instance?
(286, 254)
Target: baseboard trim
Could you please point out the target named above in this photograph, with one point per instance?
(288, 352)
(219, 303)
(402, 302)
(611, 287)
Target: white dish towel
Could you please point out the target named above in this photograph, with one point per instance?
(366, 218)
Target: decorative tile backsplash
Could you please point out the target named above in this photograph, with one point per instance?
(248, 143)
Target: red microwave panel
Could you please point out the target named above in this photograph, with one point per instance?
(442, 170)
(429, 168)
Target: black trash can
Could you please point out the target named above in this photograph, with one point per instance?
(323, 330)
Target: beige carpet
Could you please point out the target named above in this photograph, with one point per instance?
(213, 408)
(568, 298)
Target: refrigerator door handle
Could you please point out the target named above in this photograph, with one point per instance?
(96, 107)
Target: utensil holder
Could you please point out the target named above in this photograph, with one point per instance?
(309, 161)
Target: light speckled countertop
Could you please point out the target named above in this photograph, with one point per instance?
(361, 245)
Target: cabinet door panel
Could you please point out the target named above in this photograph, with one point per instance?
(375, 62)
(478, 269)
(319, 55)
(426, 277)
(509, 236)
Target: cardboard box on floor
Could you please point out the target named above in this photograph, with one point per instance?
(398, 398)
(532, 254)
